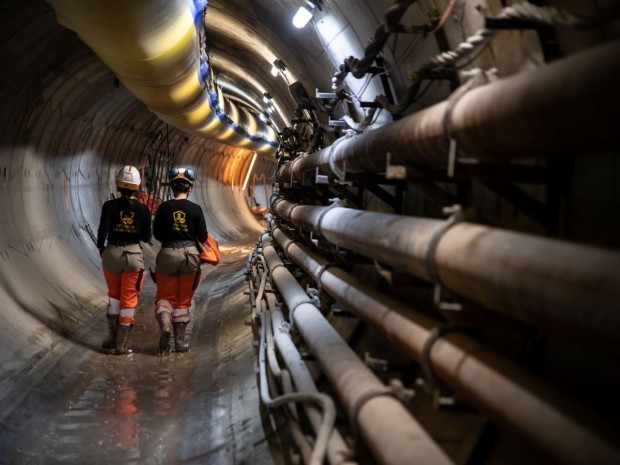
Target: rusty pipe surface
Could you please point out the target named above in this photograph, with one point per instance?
(488, 380)
(392, 434)
(569, 105)
(563, 287)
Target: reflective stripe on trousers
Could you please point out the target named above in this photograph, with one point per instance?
(182, 315)
(163, 305)
(127, 316)
(114, 306)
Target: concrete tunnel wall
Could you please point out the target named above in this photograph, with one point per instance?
(65, 130)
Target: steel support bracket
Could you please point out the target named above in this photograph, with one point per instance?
(394, 171)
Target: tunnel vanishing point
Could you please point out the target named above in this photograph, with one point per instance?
(417, 204)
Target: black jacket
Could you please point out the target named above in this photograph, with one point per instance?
(180, 220)
(124, 220)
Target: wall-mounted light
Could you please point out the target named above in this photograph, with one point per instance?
(247, 176)
(303, 15)
(277, 67)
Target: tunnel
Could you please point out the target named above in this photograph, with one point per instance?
(417, 206)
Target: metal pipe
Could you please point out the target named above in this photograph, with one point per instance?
(562, 287)
(488, 380)
(393, 436)
(283, 377)
(329, 416)
(566, 106)
(328, 441)
(337, 451)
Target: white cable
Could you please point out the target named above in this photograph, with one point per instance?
(523, 11)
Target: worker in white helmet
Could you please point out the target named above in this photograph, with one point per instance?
(124, 223)
(178, 224)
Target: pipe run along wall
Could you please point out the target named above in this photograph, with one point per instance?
(569, 105)
(392, 434)
(152, 46)
(487, 379)
(559, 286)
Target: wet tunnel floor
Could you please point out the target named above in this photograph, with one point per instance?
(197, 407)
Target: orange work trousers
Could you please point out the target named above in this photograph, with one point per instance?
(125, 288)
(177, 272)
(123, 268)
(175, 293)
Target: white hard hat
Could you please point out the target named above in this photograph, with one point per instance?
(128, 178)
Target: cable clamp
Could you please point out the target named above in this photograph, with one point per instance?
(478, 77)
(276, 267)
(340, 173)
(313, 300)
(433, 385)
(395, 389)
(321, 271)
(457, 215)
(285, 249)
(335, 202)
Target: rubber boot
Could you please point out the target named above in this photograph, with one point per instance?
(165, 328)
(179, 337)
(110, 342)
(122, 340)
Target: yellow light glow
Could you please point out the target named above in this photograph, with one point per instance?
(186, 90)
(247, 176)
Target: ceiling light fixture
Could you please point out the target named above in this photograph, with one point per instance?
(266, 97)
(303, 16)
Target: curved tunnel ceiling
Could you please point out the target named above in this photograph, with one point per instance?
(156, 50)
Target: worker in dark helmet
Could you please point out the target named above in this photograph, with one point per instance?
(124, 223)
(178, 224)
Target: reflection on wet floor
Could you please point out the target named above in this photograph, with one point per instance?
(194, 407)
(118, 412)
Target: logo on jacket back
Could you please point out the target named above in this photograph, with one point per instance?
(127, 217)
(126, 225)
(179, 221)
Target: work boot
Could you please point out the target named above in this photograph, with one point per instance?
(165, 329)
(110, 342)
(179, 337)
(122, 340)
